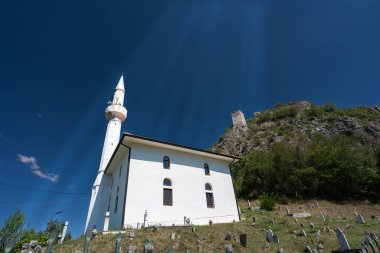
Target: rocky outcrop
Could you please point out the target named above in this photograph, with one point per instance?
(297, 123)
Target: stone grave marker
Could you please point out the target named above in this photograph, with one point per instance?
(308, 249)
(322, 216)
(229, 248)
(287, 211)
(170, 250)
(228, 236)
(52, 237)
(359, 219)
(276, 239)
(172, 236)
(266, 246)
(377, 218)
(119, 236)
(368, 241)
(210, 222)
(270, 235)
(316, 203)
(87, 239)
(280, 250)
(131, 235)
(9, 245)
(311, 224)
(301, 215)
(302, 233)
(243, 240)
(131, 249)
(342, 240)
(375, 239)
(193, 230)
(148, 246)
(319, 246)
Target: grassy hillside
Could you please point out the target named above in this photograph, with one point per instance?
(336, 215)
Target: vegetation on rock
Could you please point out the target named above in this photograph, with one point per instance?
(300, 150)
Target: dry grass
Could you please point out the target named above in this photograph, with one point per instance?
(337, 215)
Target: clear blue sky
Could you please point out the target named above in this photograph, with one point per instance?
(188, 64)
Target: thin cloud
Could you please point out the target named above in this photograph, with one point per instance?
(36, 169)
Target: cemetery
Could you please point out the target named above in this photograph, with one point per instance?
(330, 227)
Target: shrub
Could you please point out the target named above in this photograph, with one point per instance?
(267, 202)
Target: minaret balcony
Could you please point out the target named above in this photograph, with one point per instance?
(116, 111)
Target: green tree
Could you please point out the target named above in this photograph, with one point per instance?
(12, 228)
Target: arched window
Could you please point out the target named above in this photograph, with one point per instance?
(207, 169)
(167, 192)
(209, 196)
(166, 162)
(167, 182)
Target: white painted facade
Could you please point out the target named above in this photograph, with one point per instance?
(131, 183)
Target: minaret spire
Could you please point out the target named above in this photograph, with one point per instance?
(116, 114)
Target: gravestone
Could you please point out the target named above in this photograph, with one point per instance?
(316, 203)
(193, 229)
(375, 239)
(170, 250)
(368, 241)
(319, 246)
(243, 240)
(301, 215)
(228, 236)
(249, 204)
(119, 236)
(52, 237)
(210, 222)
(229, 248)
(280, 250)
(318, 233)
(172, 236)
(148, 246)
(308, 249)
(311, 224)
(377, 218)
(359, 219)
(64, 232)
(270, 235)
(302, 233)
(131, 235)
(87, 240)
(131, 249)
(322, 216)
(342, 240)
(276, 239)
(266, 246)
(9, 245)
(287, 211)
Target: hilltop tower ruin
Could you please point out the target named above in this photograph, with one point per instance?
(238, 119)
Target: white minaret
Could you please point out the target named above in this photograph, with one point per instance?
(116, 113)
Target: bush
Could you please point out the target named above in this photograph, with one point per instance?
(267, 202)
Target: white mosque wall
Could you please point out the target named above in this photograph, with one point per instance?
(117, 189)
(145, 188)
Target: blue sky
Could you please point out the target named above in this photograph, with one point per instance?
(188, 65)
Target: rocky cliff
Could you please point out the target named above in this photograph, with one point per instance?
(296, 123)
